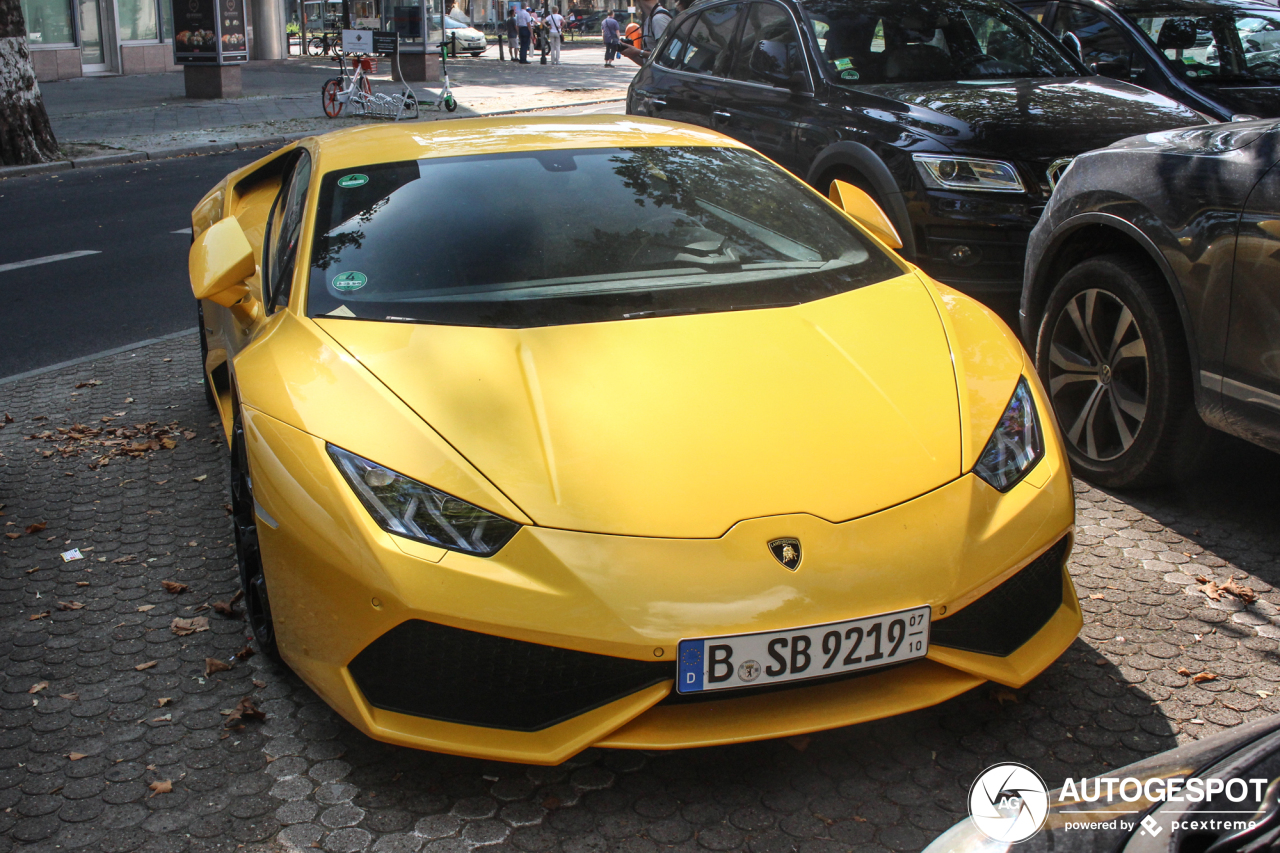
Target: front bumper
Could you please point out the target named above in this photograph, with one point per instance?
(572, 602)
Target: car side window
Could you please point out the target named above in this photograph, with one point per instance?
(286, 230)
(710, 41)
(1105, 48)
(769, 44)
(673, 52)
(1035, 10)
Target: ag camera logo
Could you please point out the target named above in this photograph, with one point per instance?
(1008, 803)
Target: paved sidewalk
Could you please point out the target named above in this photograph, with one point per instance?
(101, 750)
(150, 112)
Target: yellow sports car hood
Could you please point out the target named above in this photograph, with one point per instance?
(682, 426)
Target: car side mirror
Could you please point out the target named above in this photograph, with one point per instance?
(861, 208)
(1177, 34)
(771, 61)
(220, 261)
(1072, 43)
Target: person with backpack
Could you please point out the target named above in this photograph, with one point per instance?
(656, 19)
(612, 45)
(555, 30)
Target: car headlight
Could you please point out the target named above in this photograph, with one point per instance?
(414, 510)
(966, 173)
(1016, 445)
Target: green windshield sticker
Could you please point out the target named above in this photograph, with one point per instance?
(350, 182)
(842, 64)
(348, 281)
(849, 75)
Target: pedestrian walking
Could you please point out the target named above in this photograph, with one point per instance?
(555, 30)
(612, 44)
(513, 35)
(655, 23)
(523, 19)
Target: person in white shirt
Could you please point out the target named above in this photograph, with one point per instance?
(555, 29)
(523, 19)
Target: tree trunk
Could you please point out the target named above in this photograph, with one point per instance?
(25, 135)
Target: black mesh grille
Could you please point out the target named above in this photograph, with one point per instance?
(431, 670)
(1005, 618)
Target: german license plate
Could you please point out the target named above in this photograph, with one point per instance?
(753, 660)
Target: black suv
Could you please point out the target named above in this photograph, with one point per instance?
(1221, 57)
(954, 115)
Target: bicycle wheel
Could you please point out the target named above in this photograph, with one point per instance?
(337, 46)
(315, 47)
(410, 107)
(365, 87)
(329, 97)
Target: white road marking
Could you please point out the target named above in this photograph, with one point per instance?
(181, 231)
(48, 259)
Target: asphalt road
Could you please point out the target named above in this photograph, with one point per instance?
(133, 287)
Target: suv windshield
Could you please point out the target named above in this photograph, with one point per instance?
(889, 41)
(1215, 44)
(543, 238)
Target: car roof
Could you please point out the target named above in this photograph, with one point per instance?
(1190, 7)
(387, 143)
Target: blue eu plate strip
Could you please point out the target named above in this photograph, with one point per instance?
(691, 666)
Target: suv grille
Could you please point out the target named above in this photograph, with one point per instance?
(430, 670)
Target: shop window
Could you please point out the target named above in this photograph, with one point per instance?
(48, 22)
(138, 20)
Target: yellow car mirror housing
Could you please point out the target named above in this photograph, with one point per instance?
(862, 209)
(220, 261)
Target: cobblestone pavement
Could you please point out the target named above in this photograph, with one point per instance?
(148, 112)
(90, 729)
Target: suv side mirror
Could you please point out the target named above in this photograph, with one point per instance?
(1116, 68)
(861, 208)
(1072, 43)
(770, 60)
(1177, 34)
(220, 261)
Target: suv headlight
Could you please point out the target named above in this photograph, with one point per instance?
(966, 173)
(1016, 445)
(414, 510)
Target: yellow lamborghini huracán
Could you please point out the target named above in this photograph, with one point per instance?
(558, 432)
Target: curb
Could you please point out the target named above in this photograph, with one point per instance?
(17, 377)
(222, 147)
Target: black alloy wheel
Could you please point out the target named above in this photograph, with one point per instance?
(253, 581)
(204, 357)
(1112, 355)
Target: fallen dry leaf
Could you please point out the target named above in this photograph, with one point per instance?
(70, 697)
(174, 587)
(245, 653)
(143, 608)
(167, 718)
(212, 665)
(235, 599)
(37, 527)
(82, 583)
(76, 756)
(12, 535)
(259, 684)
(146, 665)
(38, 686)
(164, 787)
(1096, 595)
(1182, 670)
(183, 627)
(163, 700)
(201, 478)
(1004, 694)
(70, 605)
(1211, 591)
(799, 743)
(225, 609)
(33, 617)
(1200, 677)
(244, 710)
(1244, 593)
(89, 383)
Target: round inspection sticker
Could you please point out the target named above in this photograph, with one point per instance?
(348, 281)
(350, 182)
(849, 75)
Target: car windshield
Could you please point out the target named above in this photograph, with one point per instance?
(889, 41)
(451, 24)
(1215, 44)
(544, 238)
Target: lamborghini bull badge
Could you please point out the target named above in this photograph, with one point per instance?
(787, 552)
